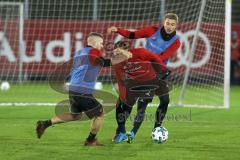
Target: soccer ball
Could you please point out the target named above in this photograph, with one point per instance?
(5, 86)
(159, 134)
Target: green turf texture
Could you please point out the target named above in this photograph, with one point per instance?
(194, 133)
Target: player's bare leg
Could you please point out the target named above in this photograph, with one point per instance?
(66, 117)
(62, 118)
(95, 127)
(97, 123)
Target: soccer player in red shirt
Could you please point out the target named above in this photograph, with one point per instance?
(138, 77)
(163, 41)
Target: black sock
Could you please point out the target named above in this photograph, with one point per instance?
(159, 116)
(121, 120)
(91, 136)
(47, 123)
(141, 108)
(122, 113)
(117, 130)
(161, 110)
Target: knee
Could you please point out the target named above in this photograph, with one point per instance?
(100, 112)
(164, 100)
(101, 115)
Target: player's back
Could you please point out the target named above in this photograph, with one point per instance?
(138, 67)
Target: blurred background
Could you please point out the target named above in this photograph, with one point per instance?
(47, 33)
(99, 10)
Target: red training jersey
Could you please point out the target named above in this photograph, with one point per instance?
(93, 55)
(138, 68)
(147, 33)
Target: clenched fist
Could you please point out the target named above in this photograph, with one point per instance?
(112, 29)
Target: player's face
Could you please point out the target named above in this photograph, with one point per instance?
(170, 25)
(99, 43)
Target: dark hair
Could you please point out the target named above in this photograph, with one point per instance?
(171, 16)
(95, 34)
(122, 44)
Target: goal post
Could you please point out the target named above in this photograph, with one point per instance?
(12, 27)
(34, 48)
(227, 53)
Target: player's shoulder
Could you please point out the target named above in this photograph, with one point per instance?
(177, 41)
(94, 51)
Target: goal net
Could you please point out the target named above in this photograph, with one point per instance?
(39, 40)
(11, 36)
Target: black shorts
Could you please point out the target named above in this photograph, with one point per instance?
(145, 90)
(85, 103)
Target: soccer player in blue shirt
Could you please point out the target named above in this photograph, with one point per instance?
(87, 64)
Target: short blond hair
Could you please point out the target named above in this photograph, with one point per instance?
(95, 34)
(93, 37)
(171, 16)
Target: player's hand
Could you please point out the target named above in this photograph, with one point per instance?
(122, 52)
(117, 51)
(120, 55)
(112, 29)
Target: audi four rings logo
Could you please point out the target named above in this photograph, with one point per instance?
(183, 54)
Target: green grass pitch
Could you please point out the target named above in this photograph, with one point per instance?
(194, 133)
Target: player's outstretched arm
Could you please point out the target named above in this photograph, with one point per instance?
(141, 33)
(119, 55)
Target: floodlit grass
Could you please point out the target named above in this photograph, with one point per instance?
(194, 133)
